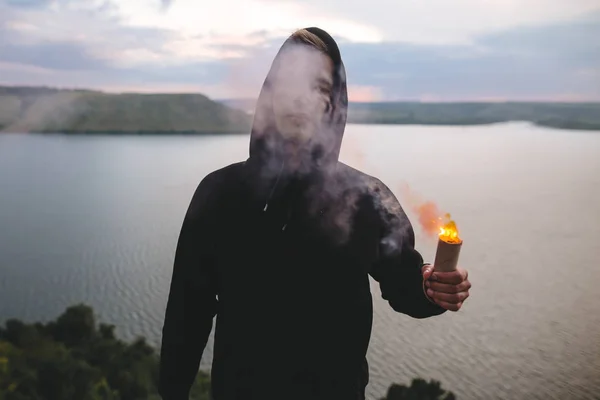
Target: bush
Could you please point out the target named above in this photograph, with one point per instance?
(419, 390)
(73, 359)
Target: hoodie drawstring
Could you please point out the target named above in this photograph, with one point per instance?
(289, 211)
(289, 215)
(274, 187)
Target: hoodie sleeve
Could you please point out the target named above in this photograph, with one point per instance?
(192, 301)
(398, 265)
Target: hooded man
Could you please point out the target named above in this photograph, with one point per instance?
(280, 248)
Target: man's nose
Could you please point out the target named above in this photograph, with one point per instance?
(301, 99)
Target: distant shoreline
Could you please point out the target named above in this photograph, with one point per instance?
(53, 111)
(575, 127)
(561, 126)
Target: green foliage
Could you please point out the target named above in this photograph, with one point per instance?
(73, 359)
(39, 109)
(558, 115)
(30, 109)
(419, 389)
(77, 326)
(584, 116)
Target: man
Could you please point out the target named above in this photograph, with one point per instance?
(280, 248)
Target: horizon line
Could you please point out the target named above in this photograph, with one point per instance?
(482, 100)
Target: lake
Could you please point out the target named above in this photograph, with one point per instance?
(95, 219)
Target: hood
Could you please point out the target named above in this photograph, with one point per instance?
(322, 152)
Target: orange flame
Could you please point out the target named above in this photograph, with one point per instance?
(449, 232)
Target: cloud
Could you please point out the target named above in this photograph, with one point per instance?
(28, 3)
(77, 35)
(544, 62)
(165, 4)
(127, 46)
(364, 94)
(23, 42)
(64, 56)
(447, 22)
(557, 61)
(239, 18)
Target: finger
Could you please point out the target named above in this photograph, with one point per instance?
(452, 298)
(452, 277)
(448, 288)
(427, 270)
(448, 306)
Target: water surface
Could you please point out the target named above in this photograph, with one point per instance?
(95, 219)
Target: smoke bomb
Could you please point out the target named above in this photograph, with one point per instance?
(446, 256)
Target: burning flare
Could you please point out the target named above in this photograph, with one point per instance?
(449, 233)
(432, 219)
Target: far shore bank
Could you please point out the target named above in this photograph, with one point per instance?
(575, 127)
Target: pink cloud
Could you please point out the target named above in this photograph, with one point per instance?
(360, 93)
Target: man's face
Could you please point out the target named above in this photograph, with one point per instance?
(301, 89)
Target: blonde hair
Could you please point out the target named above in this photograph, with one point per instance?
(310, 38)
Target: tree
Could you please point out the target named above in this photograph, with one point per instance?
(419, 390)
(73, 359)
(75, 326)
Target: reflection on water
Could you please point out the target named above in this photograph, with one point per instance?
(96, 219)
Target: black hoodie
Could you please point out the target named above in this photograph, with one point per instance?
(282, 259)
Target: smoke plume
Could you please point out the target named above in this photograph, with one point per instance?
(337, 200)
(430, 217)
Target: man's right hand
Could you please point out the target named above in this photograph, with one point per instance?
(449, 290)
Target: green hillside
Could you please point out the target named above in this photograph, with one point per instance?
(35, 109)
(24, 109)
(557, 115)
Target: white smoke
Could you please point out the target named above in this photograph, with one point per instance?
(290, 70)
(336, 201)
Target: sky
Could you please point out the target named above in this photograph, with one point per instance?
(417, 50)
